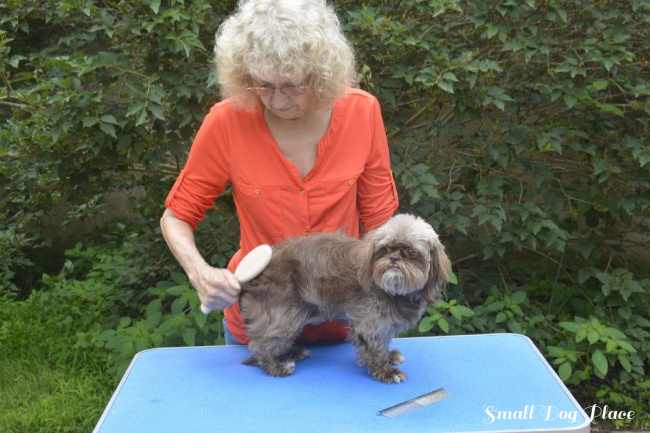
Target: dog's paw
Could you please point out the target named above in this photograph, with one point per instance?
(280, 368)
(396, 357)
(297, 353)
(389, 375)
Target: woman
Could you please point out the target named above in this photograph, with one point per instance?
(303, 150)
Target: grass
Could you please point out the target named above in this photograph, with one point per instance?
(36, 397)
(44, 385)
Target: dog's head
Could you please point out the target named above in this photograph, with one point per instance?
(408, 257)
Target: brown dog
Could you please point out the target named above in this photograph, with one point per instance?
(381, 285)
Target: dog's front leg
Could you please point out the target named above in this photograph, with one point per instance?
(373, 352)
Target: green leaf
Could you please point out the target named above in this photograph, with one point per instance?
(565, 371)
(450, 76)
(513, 45)
(416, 196)
(572, 327)
(626, 346)
(179, 278)
(156, 94)
(154, 312)
(599, 361)
(600, 84)
(570, 101)
(593, 337)
(108, 129)
(142, 118)
(89, 121)
(453, 278)
(515, 308)
(126, 321)
(519, 297)
(426, 324)
(178, 305)
(493, 307)
(155, 6)
(126, 347)
(625, 362)
(109, 118)
(157, 111)
(585, 248)
(457, 312)
(138, 107)
(491, 31)
(643, 322)
(501, 317)
(464, 311)
(15, 60)
(610, 108)
(189, 336)
(447, 86)
(444, 325)
(177, 290)
(200, 319)
(156, 339)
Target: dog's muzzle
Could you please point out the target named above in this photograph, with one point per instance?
(393, 280)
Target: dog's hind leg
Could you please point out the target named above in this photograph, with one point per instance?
(297, 353)
(270, 354)
(272, 336)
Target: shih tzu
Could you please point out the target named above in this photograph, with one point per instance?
(381, 285)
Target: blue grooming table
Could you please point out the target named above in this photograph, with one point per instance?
(495, 383)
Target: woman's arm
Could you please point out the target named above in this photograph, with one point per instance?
(217, 288)
(377, 193)
(203, 178)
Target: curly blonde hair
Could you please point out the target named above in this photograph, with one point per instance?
(296, 41)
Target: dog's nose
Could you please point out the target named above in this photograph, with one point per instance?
(393, 258)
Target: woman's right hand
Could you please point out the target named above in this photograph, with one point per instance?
(217, 288)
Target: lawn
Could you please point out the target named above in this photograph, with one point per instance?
(45, 387)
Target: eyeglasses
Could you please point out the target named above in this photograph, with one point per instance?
(268, 90)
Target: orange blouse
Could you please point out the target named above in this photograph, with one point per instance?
(350, 184)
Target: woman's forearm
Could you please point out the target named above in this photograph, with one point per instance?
(217, 288)
(180, 239)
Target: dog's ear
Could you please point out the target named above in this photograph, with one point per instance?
(439, 273)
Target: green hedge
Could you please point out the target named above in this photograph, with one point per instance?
(519, 128)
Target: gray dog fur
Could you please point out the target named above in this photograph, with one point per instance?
(380, 284)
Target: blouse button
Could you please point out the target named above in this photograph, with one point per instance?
(257, 191)
(350, 182)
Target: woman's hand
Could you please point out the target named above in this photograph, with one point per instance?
(217, 288)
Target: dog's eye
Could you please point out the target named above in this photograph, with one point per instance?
(410, 252)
